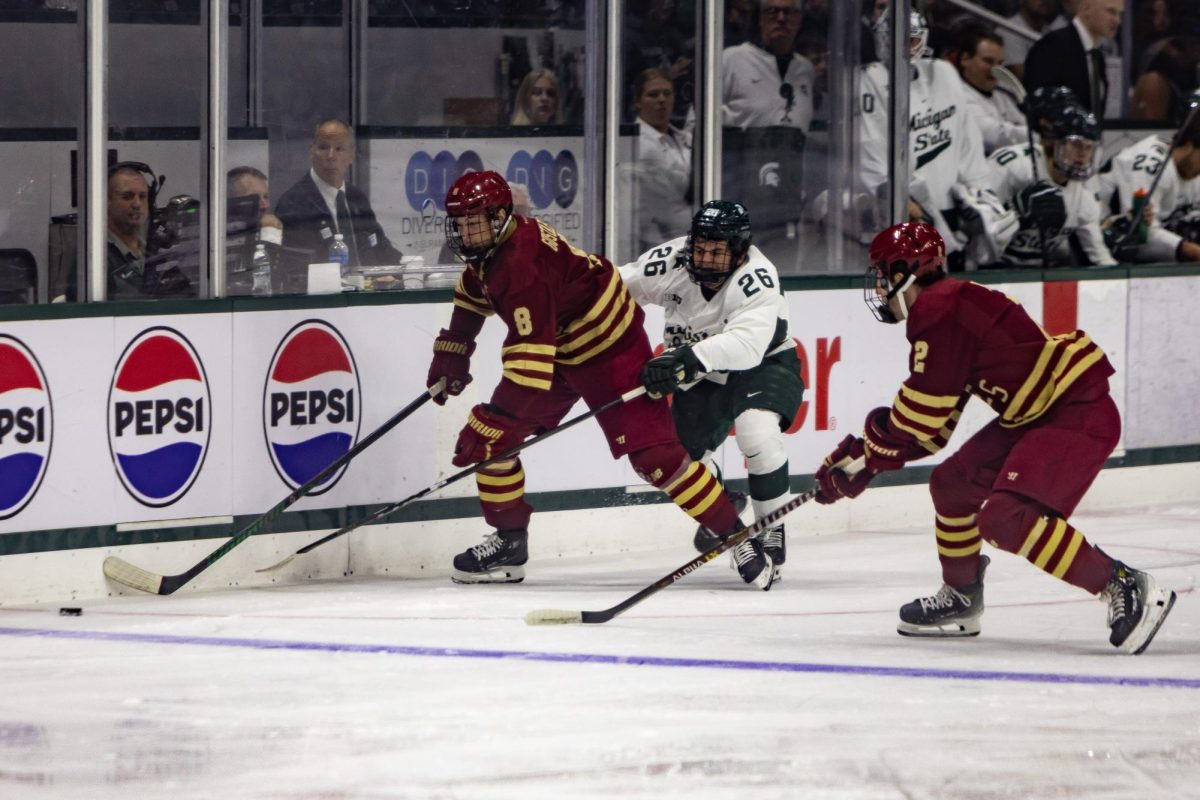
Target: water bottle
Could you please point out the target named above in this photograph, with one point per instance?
(339, 253)
(260, 271)
(1140, 228)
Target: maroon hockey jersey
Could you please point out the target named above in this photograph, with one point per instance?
(561, 305)
(969, 340)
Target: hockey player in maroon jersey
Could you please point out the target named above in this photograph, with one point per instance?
(1015, 482)
(573, 332)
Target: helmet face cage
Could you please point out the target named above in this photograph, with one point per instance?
(878, 291)
(918, 36)
(903, 255)
(718, 221)
(1077, 157)
(477, 193)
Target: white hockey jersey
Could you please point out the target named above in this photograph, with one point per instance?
(1134, 168)
(742, 324)
(1011, 170)
(947, 147)
(753, 94)
(1000, 119)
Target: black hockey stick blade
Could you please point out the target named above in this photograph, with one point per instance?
(552, 616)
(392, 508)
(121, 571)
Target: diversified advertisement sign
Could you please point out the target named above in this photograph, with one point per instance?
(135, 419)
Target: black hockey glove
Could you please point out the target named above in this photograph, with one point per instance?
(664, 373)
(1040, 205)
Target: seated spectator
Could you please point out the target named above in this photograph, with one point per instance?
(656, 35)
(247, 181)
(1040, 17)
(129, 209)
(1161, 92)
(1053, 192)
(1135, 168)
(537, 99)
(976, 51)
(322, 204)
(663, 172)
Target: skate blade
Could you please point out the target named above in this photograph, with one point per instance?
(947, 630)
(1161, 603)
(498, 575)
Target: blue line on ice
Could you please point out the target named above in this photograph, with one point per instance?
(596, 658)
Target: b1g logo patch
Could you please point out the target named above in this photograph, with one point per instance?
(158, 417)
(311, 404)
(26, 426)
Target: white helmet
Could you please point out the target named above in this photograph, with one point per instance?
(918, 32)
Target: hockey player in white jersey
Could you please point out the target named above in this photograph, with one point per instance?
(946, 144)
(729, 361)
(1136, 168)
(1061, 209)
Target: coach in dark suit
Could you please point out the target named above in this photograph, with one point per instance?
(321, 204)
(1071, 56)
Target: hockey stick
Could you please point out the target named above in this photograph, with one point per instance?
(551, 616)
(471, 470)
(135, 577)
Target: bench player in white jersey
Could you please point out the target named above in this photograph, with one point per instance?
(1137, 166)
(730, 361)
(945, 140)
(1056, 198)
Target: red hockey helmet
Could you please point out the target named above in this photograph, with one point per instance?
(904, 254)
(477, 193)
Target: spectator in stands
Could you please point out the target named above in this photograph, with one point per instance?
(872, 12)
(1072, 56)
(976, 52)
(537, 100)
(1152, 25)
(1161, 92)
(322, 204)
(1040, 17)
(246, 181)
(656, 37)
(663, 172)
(740, 22)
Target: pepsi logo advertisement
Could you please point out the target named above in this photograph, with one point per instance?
(26, 426)
(158, 417)
(312, 404)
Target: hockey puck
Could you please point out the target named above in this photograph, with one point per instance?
(70, 612)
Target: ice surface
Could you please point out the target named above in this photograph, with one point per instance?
(424, 689)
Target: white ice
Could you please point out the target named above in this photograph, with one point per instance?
(802, 692)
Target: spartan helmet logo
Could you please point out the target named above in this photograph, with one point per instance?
(768, 175)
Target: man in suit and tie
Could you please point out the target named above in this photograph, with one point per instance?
(322, 204)
(1071, 56)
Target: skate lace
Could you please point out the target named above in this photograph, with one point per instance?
(491, 545)
(744, 553)
(1117, 605)
(944, 599)
(773, 537)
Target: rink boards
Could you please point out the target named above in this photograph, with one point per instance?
(153, 435)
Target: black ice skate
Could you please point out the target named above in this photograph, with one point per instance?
(1137, 608)
(950, 612)
(753, 564)
(706, 540)
(500, 559)
(775, 546)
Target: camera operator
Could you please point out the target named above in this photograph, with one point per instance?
(131, 276)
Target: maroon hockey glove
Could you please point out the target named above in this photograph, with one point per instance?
(887, 448)
(833, 482)
(488, 432)
(452, 361)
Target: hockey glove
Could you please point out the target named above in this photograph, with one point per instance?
(488, 432)
(664, 373)
(1040, 205)
(452, 361)
(885, 449)
(833, 480)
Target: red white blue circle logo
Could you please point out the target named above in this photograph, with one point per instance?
(26, 426)
(158, 416)
(311, 404)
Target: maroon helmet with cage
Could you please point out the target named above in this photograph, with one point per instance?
(477, 193)
(904, 254)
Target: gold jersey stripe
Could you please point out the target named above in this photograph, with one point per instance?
(706, 480)
(1054, 384)
(492, 497)
(529, 348)
(606, 298)
(956, 522)
(922, 435)
(687, 474)
(522, 380)
(483, 311)
(699, 508)
(1056, 536)
(1031, 539)
(532, 366)
(935, 423)
(1068, 558)
(573, 341)
(933, 400)
(960, 552)
(500, 480)
(622, 326)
